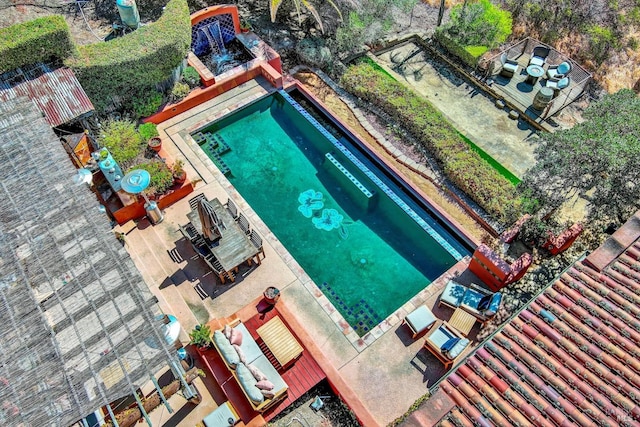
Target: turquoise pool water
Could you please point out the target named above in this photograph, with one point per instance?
(330, 207)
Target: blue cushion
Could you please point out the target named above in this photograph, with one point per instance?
(227, 351)
(453, 293)
(484, 302)
(494, 305)
(449, 344)
(472, 298)
(564, 68)
(420, 319)
(248, 383)
(220, 417)
(458, 348)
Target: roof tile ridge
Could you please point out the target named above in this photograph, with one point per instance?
(626, 325)
(616, 344)
(612, 301)
(632, 268)
(532, 407)
(617, 272)
(579, 392)
(580, 367)
(599, 352)
(608, 281)
(519, 363)
(498, 409)
(593, 357)
(465, 406)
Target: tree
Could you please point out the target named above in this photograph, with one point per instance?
(274, 5)
(479, 24)
(598, 160)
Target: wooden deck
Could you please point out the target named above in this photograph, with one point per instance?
(301, 376)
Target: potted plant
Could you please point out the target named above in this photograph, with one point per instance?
(245, 26)
(201, 336)
(179, 174)
(155, 143)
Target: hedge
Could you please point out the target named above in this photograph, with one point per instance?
(134, 64)
(35, 41)
(460, 163)
(469, 55)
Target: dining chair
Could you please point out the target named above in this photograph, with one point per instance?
(232, 208)
(243, 223)
(193, 202)
(257, 242)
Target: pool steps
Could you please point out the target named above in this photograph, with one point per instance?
(215, 145)
(377, 181)
(349, 175)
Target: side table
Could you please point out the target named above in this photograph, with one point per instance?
(462, 321)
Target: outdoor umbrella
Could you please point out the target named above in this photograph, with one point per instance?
(211, 224)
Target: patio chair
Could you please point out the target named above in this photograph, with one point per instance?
(217, 268)
(232, 208)
(257, 242)
(509, 66)
(557, 73)
(244, 224)
(483, 305)
(445, 343)
(558, 85)
(419, 320)
(539, 55)
(193, 202)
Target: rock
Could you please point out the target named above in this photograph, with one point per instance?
(312, 51)
(500, 104)
(513, 115)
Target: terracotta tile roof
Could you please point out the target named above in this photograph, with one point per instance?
(571, 357)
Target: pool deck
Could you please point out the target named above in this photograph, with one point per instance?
(380, 376)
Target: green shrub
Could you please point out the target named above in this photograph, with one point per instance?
(463, 166)
(147, 131)
(35, 41)
(179, 92)
(127, 66)
(479, 23)
(161, 176)
(456, 48)
(191, 77)
(146, 103)
(122, 139)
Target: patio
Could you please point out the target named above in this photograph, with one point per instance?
(520, 91)
(184, 287)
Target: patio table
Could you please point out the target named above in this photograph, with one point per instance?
(280, 341)
(534, 72)
(462, 321)
(234, 247)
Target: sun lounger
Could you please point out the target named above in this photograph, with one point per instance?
(445, 343)
(419, 320)
(475, 300)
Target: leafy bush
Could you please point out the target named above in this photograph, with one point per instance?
(122, 139)
(179, 92)
(200, 336)
(127, 66)
(35, 41)
(147, 131)
(146, 103)
(191, 77)
(161, 176)
(466, 55)
(463, 166)
(479, 24)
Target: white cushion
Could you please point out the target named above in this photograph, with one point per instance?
(420, 319)
(440, 336)
(458, 348)
(453, 293)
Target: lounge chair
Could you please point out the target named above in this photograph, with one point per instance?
(560, 71)
(445, 343)
(509, 66)
(558, 85)
(539, 55)
(419, 320)
(482, 304)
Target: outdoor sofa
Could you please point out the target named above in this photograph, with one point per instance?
(250, 367)
(482, 304)
(445, 343)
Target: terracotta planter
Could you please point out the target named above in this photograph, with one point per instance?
(155, 144)
(180, 179)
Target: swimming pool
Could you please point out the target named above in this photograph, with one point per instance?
(367, 243)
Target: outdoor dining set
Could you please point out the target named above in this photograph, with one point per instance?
(556, 76)
(222, 236)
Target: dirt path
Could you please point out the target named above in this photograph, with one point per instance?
(333, 102)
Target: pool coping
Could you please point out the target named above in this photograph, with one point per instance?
(179, 131)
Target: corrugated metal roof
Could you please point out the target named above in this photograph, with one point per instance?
(571, 357)
(56, 92)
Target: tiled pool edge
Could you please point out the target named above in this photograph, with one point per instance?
(180, 134)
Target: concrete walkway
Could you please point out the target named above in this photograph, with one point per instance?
(472, 113)
(386, 377)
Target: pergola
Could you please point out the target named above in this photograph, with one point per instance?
(78, 326)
